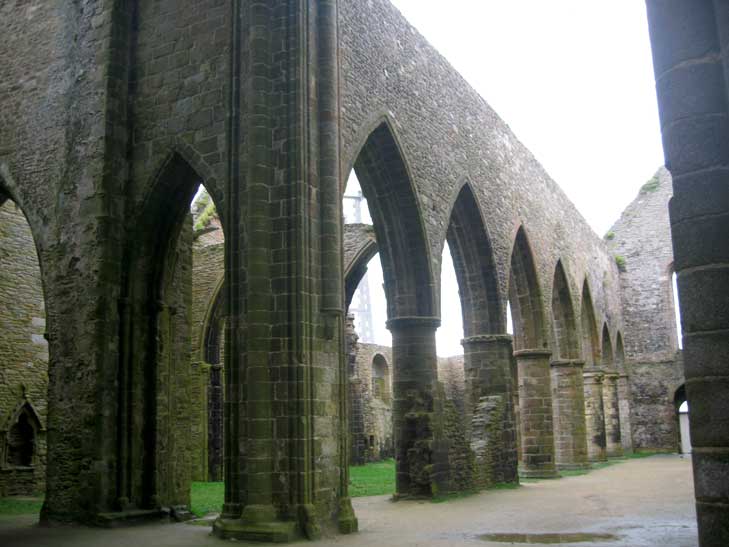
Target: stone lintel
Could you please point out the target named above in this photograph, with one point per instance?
(533, 353)
(568, 363)
(413, 322)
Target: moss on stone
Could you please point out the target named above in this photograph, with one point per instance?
(620, 262)
(651, 186)
(610, 235)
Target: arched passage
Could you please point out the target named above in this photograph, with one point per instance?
(611, 403)
(533, 358)
(568, 392)
(155, 411)
(24, 357)
(487, 348)
(682, 413)
(411, 309)
(590, 340)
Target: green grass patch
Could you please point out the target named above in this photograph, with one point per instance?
(373, 479)
(20, 506)
(206, 497)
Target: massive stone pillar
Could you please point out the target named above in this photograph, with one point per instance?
(690, 56)
(626, 430)
(611, 407)
(568, 399)
(286, 450)
(489, 395)
(595, 415)
(535, 403)
(420, 456)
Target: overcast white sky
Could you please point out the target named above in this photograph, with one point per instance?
(574, 81)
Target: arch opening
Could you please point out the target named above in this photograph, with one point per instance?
(590, 340)
(160, 442)
(567, 344)
(25, 361)
(525, 297)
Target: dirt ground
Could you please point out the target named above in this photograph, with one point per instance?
(645, 502)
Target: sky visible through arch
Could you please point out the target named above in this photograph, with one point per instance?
(574, 81)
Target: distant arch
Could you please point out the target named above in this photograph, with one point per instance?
(381, 387)
(355, 271)
(474, 264)
(525, 296)
(619, 352)
(387, 185)
(566, 333)
(590, 340)
(607, 348)
(212, 332)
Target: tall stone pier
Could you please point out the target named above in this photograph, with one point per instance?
(487, 361)
(568, 399)
(535, 402)
(611, 406)
(595, 415)
(420, 456)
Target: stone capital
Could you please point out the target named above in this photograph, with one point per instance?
(568, 363)
(488, 339)
(533, 354)
(413, 322)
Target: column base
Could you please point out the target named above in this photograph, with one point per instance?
(538, 474)
(347, 521)
(257, 523)
(573, 466)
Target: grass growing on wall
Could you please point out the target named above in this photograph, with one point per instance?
(373, 479)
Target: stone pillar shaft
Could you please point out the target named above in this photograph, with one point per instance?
(415, 427)
(595, 416)
(535, 402)
(691, 61)
(570, 430)
(626, 431)
(613, 441)
(487, 362)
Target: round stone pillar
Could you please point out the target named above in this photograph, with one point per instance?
(535, 403)
(421, 457)
(613, 442)
(490, 410)
(626, 430)
(568, 401)
(594, 416)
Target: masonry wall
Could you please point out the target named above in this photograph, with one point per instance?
(642, 237)
(448, 134)
(23, 348)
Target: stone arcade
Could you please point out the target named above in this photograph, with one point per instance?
(113, 112)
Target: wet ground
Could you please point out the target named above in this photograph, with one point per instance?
(638, 503)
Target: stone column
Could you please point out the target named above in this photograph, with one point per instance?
(626, 431)
(691, 58)
(594, 416)
(613, 442)
(489, 408)
(420, 467)
(568, 400)
(535, 402)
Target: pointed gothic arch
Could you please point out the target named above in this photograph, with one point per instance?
(387, 185)
(566, 334)
(473, 261)
(607, 348)
(590, 340)
(525, 296)
(153, 439)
